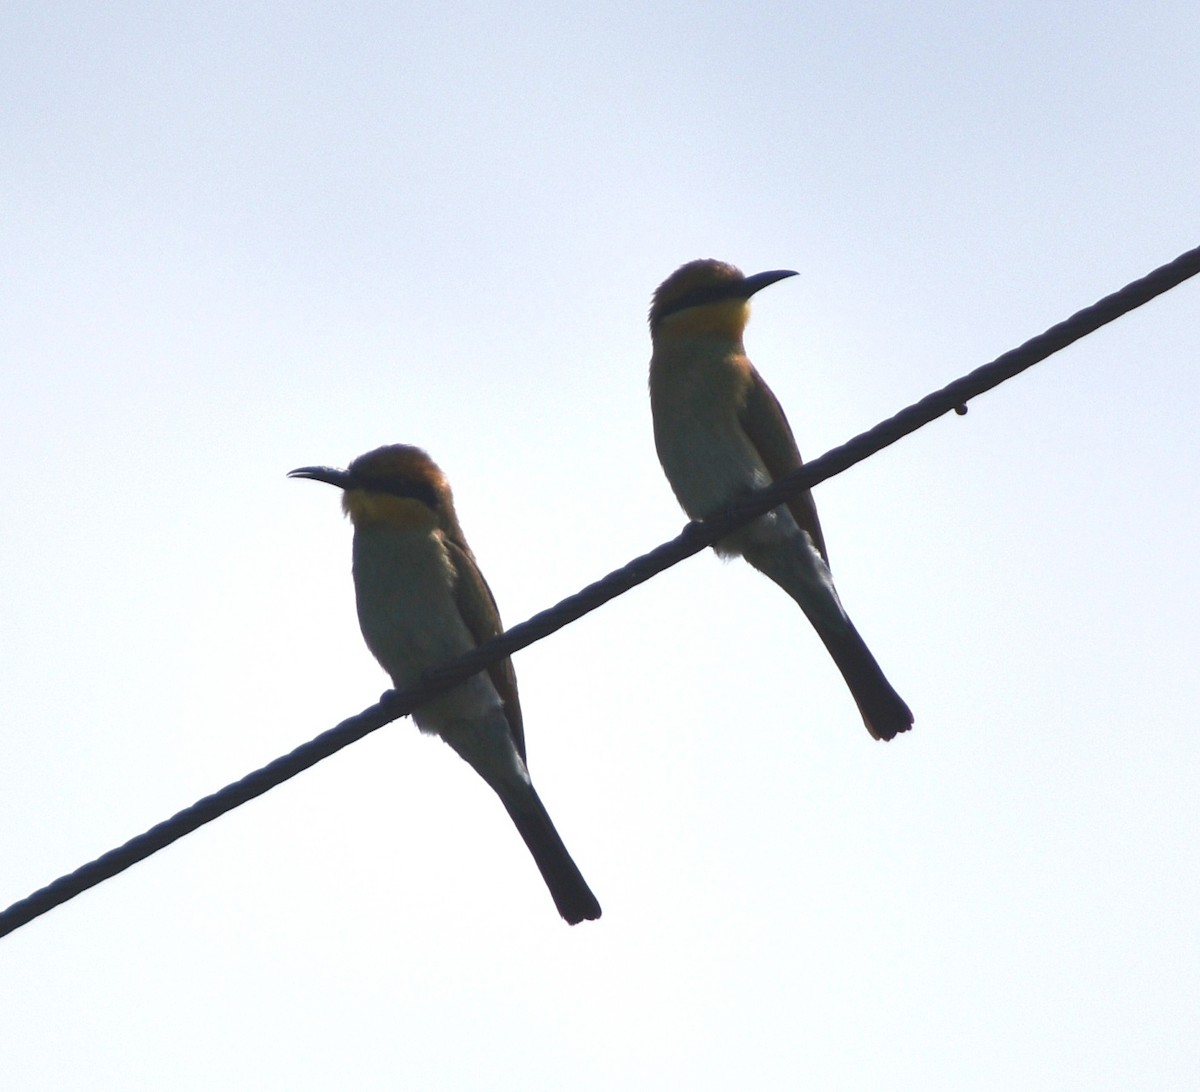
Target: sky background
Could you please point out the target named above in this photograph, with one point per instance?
(240, 238)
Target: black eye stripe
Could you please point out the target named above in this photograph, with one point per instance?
(409, 490)
(697, 297)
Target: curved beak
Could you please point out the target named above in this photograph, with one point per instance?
(759, 281)
(329, 474)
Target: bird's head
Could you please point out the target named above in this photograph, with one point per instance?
(707, 297)
(396, 486)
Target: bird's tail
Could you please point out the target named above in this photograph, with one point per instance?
(883, 710)
(799, 569)
(568, 888)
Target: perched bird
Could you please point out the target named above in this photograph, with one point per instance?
(721, 433)
(422, 601)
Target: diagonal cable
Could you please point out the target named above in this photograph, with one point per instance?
(694, 538)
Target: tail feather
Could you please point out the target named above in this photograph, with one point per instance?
(568, 888)
(883, 710)
(797, 567)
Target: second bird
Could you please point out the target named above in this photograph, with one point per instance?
(720, 433)
(422, 602)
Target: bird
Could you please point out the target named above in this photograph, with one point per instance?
(721, 433)
(422, 602)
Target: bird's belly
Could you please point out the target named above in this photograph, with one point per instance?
(405, 604)
(411, 623)
(709, 464)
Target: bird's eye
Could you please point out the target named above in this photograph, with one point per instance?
(698, 297)
(420, 491)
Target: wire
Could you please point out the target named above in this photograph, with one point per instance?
(695, 537)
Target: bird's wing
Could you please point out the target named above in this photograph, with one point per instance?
(478, 610)
(766, 427)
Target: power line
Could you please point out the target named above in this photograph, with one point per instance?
(695, 537)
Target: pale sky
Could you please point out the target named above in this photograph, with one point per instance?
(237, 239)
